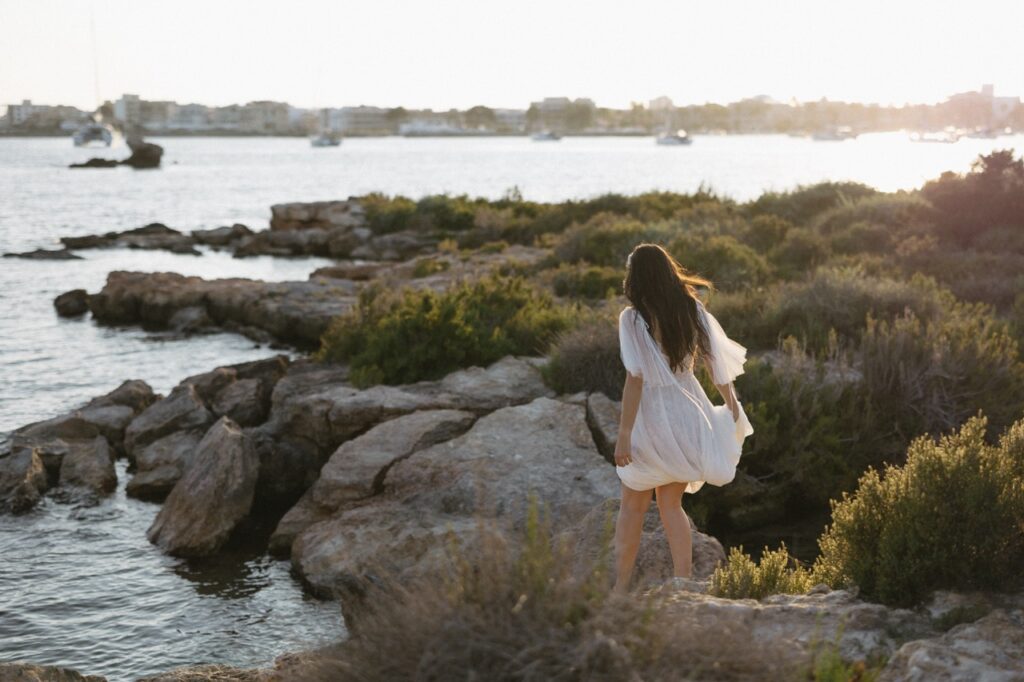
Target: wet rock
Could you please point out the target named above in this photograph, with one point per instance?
(190, 319)
(45, 254)
(295, 312)
(182, 409)
(542, 448)
(52, 440)
(221, 236)
(72, 303)
(144, 154)
(160, 465)
(134, 393)
(603, 417)
(213, 496)
(289, 465)
(23, 480)
(991, 648)
(151, 236)
(243, 402)
(357, 469)
(89, 466)
(30, 672)
(96, 162)
(594, 533)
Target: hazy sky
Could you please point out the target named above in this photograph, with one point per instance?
(458, 53)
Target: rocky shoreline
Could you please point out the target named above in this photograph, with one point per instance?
(358, 483)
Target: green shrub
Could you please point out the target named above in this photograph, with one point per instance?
(385, 214)
(775, 573)
(799, 253)
(897, 211)
(766, 231)
(994, 277)
(606, 239)
(586, 357)
(729, 263)
(429, 266)
(410, 335)
(951, 518)
(804, 203)
(862, 237)
(930, 376)
(587, 281)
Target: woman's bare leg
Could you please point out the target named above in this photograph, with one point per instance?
(628, 528)
(677, 527)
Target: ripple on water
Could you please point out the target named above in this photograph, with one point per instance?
(80, 586)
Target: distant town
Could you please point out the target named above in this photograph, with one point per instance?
(979, 110)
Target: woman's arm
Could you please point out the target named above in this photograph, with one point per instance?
(630, 405)
(727, 391)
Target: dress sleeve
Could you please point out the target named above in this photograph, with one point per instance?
(629, 344)
(727, 356)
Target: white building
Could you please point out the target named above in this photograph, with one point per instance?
(17, 114)
(357, 120)
(662, 103)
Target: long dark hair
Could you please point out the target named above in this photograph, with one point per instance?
(663, 292)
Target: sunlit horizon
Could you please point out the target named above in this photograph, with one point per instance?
(457, 54)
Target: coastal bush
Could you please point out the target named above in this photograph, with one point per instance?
(937, 522)
(898, 212)
(990, 196)
(429, 266)
(929, 376)
(803, 203)
(800, 252)
(386, 214)
(729, 263)
(994, 277)
(411, 335)
(587, 281)
(766, 231)
(606, 239)
(861, 237)
(586, 357)
(512, 608)
(775, 573)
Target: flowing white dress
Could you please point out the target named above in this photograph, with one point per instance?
(679, 435)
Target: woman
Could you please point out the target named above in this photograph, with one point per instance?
(671, 438)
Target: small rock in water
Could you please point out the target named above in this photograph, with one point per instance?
(45, 254)
(72, 303)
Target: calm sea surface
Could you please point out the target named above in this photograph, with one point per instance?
(81, 586)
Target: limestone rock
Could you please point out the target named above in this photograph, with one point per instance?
(72, 303)
(89, 465)
(221, 236)
(30, 672)
(603, 416)
(325, 214)
(45, 254)
(22, 480)
(358, 271)
(182, 409)
(213, 496)
(160, 465)
(542, 448)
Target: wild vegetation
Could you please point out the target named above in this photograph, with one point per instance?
(875, 322)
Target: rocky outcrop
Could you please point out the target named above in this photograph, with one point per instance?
(160, 465)
(357, 469)
(182, 409)
(603, 416)
(317, 214)
(44, 254)
(294, 312)
(72, 303)
(212, 498)
(541, 449)
(30, 672)
(144, 154)
(151, 236)
(222, 236)
(592, 538)
(75, 451)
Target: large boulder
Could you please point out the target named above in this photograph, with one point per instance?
(593, 535)
(160, 465)
(603, 416)
(213, 496)
(221, 236)
(89, 466)
(72, 303)
(357, 469)
(182, 409)
(542, 449)
(325, 214)
(22, 480)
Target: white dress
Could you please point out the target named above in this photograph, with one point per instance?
(679, 435)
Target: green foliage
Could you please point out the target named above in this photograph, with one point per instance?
(586, 358)
(930, 376)
(829, 666)
(429, 266)
(587, 281)
(990, 196)
(743, 578)
(935, 522)
(801, 251)
(606, 239)
(804, 203)
(898, 212)
(725, 260)
(407, 336)
(766, 231)
(385, 214)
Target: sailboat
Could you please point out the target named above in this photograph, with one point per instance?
(94, 131)
(326, 138)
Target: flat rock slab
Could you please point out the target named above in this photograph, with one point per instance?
(541, 449)
(30, 672)
(212, 497)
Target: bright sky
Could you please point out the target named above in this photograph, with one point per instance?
(458, 53)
